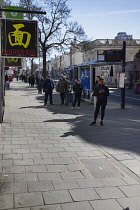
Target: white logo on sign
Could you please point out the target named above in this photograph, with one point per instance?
(14, 14)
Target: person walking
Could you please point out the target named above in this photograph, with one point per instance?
(62, 88)
(29, 80)
(102, 92)
(77, 89)
(32, 80)
(39, 82)
(95, 97)
(48, 87)
(68, 94)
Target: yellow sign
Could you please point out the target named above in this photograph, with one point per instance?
(12, 60)
(18, 36)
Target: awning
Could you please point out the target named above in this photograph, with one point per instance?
(96, 63)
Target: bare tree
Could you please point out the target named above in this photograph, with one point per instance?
(55, 31)
(6, 2)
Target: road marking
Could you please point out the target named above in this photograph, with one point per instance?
(127, 97)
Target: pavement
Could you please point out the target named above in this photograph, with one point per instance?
(52, 159)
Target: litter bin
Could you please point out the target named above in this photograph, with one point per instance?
(137, 88)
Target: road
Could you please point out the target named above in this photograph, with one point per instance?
(131, 97)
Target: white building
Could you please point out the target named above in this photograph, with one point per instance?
(123, 36)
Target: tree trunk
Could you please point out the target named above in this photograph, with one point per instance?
(44, 63)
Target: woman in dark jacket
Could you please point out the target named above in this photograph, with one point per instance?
(77, 89)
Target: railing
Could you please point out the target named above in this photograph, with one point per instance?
(115, 42)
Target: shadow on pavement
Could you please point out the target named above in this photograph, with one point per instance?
(120, 131)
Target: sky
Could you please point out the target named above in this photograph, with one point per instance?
(102, 19)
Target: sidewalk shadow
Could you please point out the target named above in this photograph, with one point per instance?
(120, 131)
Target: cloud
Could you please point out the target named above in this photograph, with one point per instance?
(109, 13)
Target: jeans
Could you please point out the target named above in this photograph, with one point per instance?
(77, 97)
(99, 104)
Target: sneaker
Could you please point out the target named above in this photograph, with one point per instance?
(78, 107)
(72, 107)
(45, 104)
(101, 123)
(93, 123)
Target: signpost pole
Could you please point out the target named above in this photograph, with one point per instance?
(123, 70)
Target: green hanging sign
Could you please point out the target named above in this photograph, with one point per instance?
(14, 15)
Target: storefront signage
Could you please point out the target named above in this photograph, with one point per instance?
(19, 38)
(109, 55)
(12, 61)
(15, 15)
(101, 55)
(113, 56)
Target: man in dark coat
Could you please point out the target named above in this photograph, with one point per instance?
(77, 89)
(101, 91)
(62, 88)
(48, 87)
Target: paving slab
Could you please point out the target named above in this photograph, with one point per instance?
(89, 183)
(61, 161)
(84, 194)
(47, 207)
(56, 168)
(110, 204)
(26, 162)
(40, 186)
(35, 169)
(6, 201)
(131, 191)
(101, 168)
(65, 184)
(43, 161)
(12, 156)
(110, 192)
(131, 203)
(26, 177)
(28, 199)
(72, 175)
(57, 197)
(84, 205)
(113, 182)
(13, 169)
(13, 187)
(49, 176)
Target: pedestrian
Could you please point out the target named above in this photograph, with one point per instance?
(95, 97)
(68, 93)
(39, 82)
(101, 91)
(6, 77)
(77, 89)
(32, 80)
(48, 87)
(29, 80)
(62, 88)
